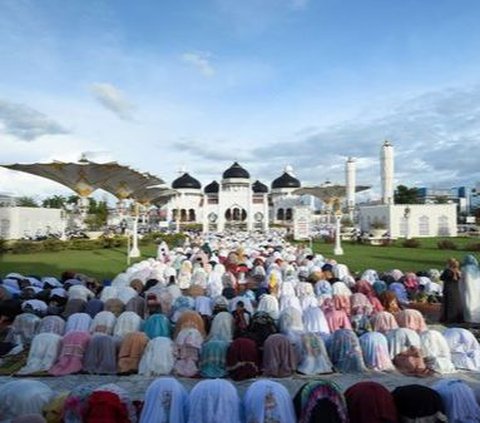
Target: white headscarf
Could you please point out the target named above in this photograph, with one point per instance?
(128, 321)
(436, 352)
(214, 401)
(314, 321)
(269, 304)
(291, 321)
(464, 348)
(157, 359)
(103, 322)
(401, 339)
(166, 400)
(267, 401)
(203, 305)
(43, 353)
(21, 397)
(222, 327)
(78, 322)
(314, 357)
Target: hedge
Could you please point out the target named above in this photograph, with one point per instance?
(53, 245)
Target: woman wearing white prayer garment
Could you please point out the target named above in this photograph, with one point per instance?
(103, 322)
(313, 355)
(222, 327)
(127, 322)
(21, 397)
(80, 292)
(464, 348)
(269, 304)
(78, 322)
(266, 401)
(469, 286)
(157, 358)
(401, 339)
(290, 321)
(43, 353)
(214, 401)
(314, 321)
(436, 351)
(166, 400)
(52, 324)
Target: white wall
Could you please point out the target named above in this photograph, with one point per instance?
(424, 220)
(17, 222)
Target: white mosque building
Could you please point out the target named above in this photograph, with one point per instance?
(405, 220)
(236, 202)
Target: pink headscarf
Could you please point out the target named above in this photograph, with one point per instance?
(74, 345)
(364, 287)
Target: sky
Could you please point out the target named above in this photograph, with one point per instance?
(164, 85)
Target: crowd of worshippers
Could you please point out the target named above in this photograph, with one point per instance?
(236, 309)
(218, 401)
(236, 312)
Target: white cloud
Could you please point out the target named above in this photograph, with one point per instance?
(26, 123)
(201, 61)
(299, 4)
(113, 99)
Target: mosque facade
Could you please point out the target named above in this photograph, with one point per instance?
(236, 202)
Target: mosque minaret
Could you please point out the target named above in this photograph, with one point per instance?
(387, 172)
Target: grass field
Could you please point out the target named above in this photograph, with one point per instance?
(359, 257)
(106, 263)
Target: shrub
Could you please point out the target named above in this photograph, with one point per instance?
(411, 243)
(473, 246)
(27, 247)
(3, 246)
(85, 244)
(114, 242)
(446, 244)
(54, 245)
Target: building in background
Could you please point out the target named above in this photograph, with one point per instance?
(408, 220)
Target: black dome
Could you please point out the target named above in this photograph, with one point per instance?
(286, 181)
(212, 188)
(236, 171)
(259, 188)
(186, 181)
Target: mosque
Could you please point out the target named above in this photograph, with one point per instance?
(236, 202)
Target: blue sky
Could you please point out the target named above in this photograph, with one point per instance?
(163, 84)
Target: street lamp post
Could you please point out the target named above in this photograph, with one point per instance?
(406, 215)
(338, 250)
(135, 251)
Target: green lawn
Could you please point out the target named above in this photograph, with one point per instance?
(360, 257)
(106, 263)
(102, 263)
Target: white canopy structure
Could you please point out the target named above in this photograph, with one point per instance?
(84, 177)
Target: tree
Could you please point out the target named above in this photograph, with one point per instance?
(441, 199)
(72, 199)
(97, 214)
(405, 195)
(26, 202)
(55, 202)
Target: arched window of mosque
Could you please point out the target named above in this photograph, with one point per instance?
(236, 214)
(174, 214)
(183, 215)
(191, 215)
(443, 227)
(424, 226)
(228, 215)
(280, 214)
(244, 214)
(288, 214)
